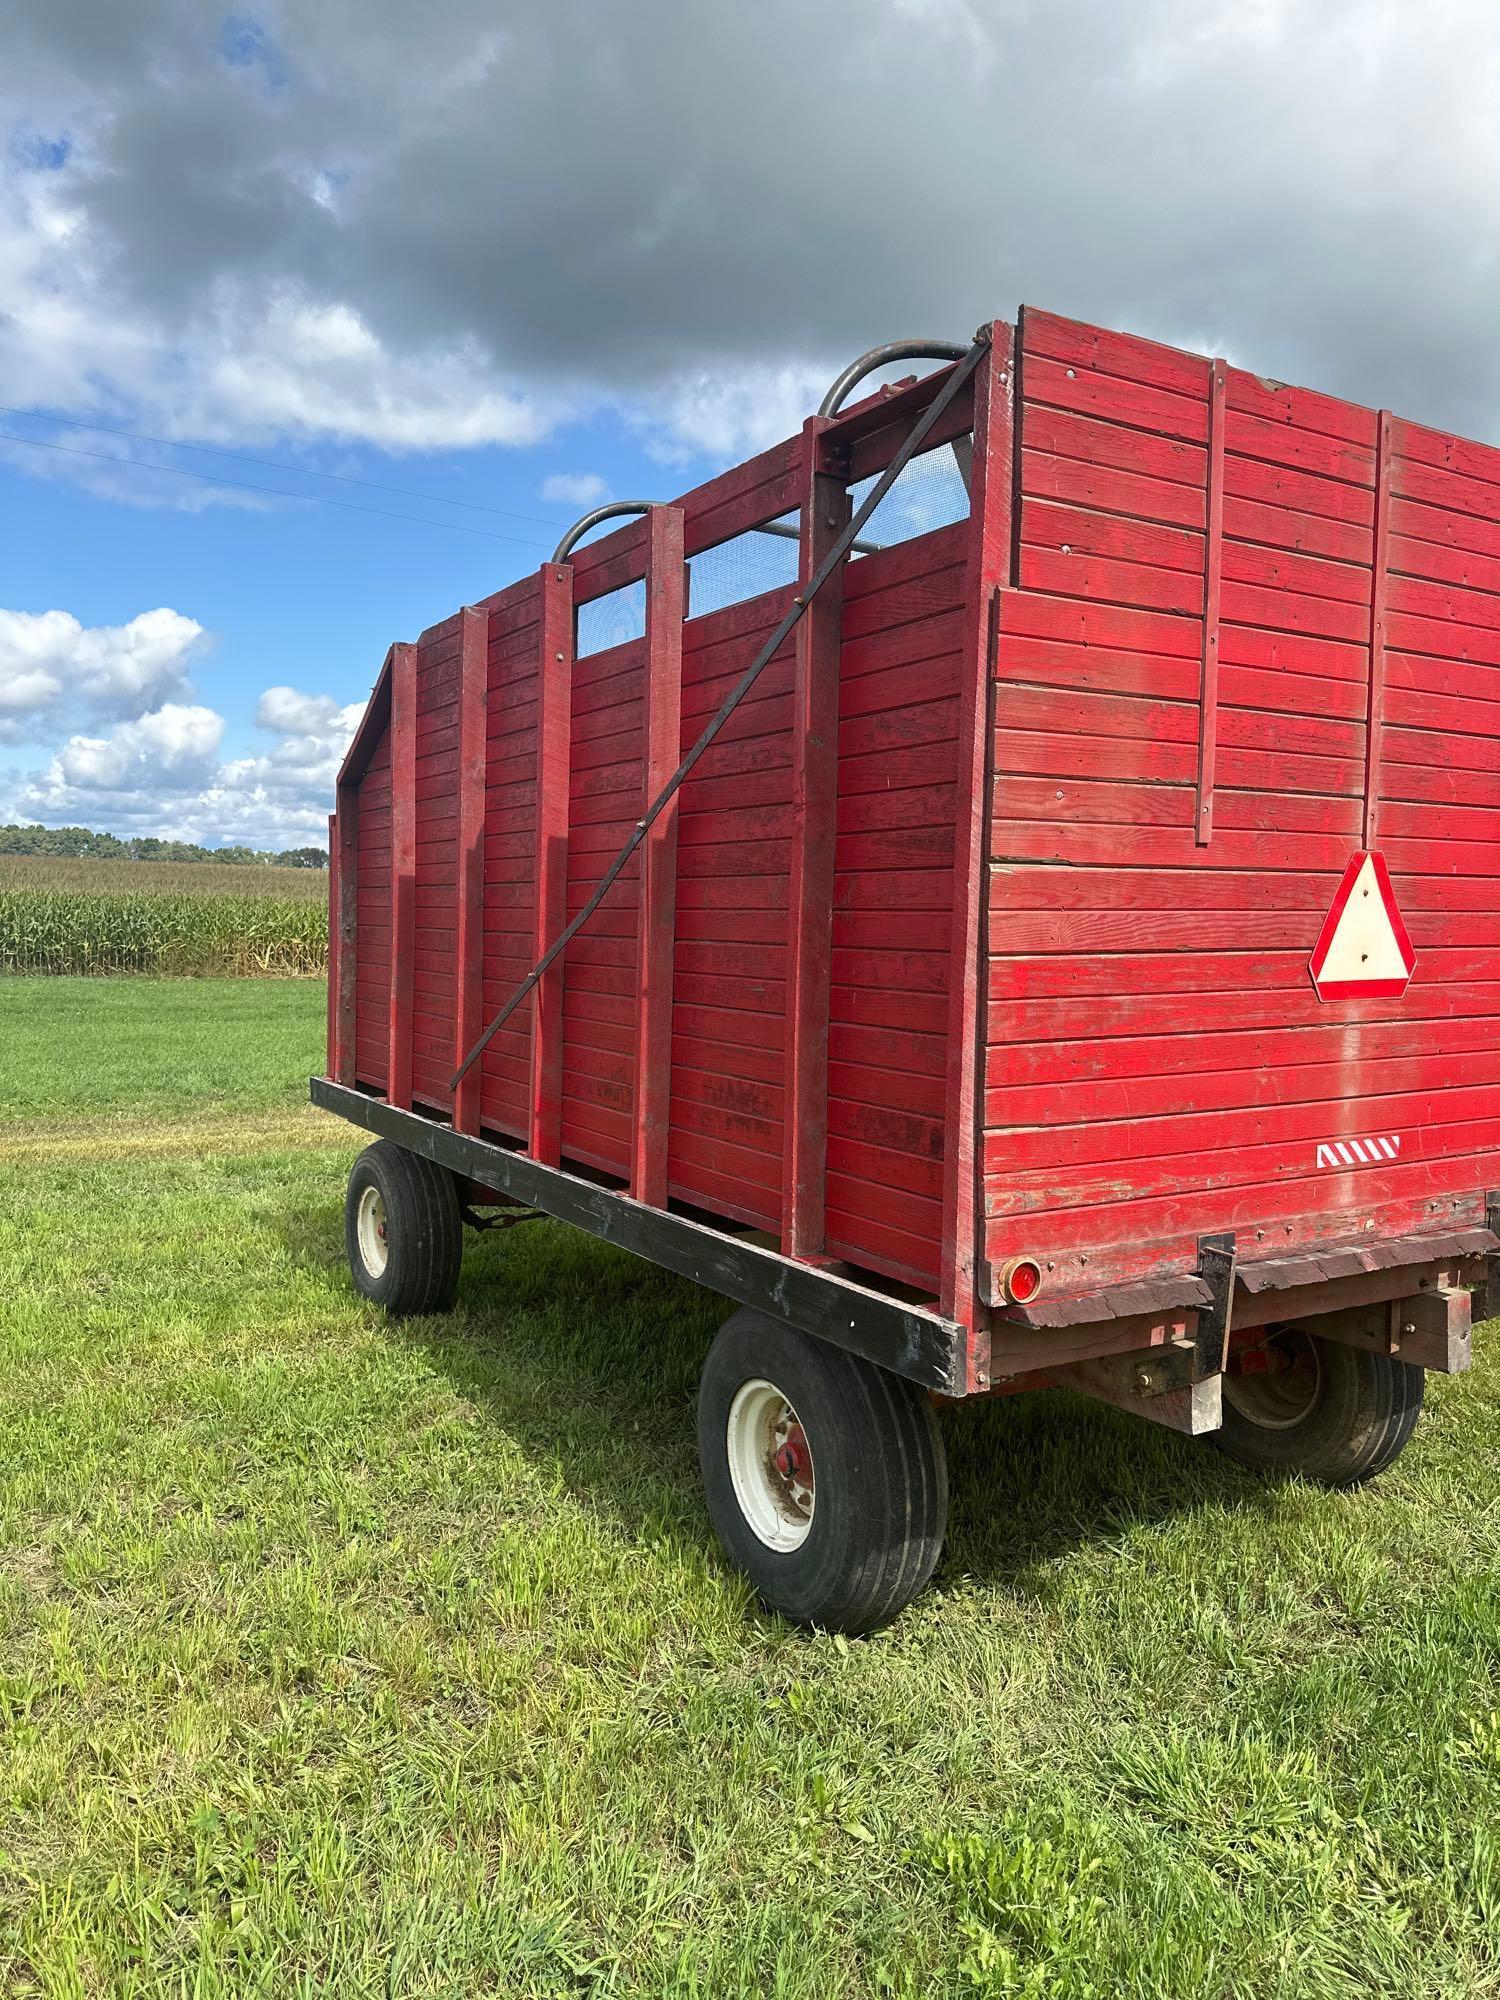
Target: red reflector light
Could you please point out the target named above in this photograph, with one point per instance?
(1020, 1280)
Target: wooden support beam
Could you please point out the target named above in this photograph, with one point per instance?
(403, 869)
(333, 947)
(468, 971)
(1431, 1329)
(989, 558)
(1213, 568)
(343, 929)
(1380, 564)
(553, 760)
(666, 572)
(1162, 1383)
(1395, 1281)
(1028, 1350)
(815, 752)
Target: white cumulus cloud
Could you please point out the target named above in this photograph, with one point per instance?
(574, 489)
(55, 669)
(162, 773)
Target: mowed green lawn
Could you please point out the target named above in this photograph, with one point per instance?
(343, 1657)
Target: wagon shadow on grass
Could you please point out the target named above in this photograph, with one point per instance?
(588, 1359)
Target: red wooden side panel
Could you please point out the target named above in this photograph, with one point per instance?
(435, 938)
(509, 853)
(729, 975)
(1159, 1064)
(599, 1006)
(372, 985)
(893, 903)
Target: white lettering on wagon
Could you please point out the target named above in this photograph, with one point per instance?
(1359, 1152)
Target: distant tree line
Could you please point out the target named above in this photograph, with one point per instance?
(78, 842)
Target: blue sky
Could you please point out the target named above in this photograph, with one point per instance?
(483, 246)
(301, 594)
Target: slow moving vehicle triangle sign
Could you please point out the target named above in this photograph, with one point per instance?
(1363, 951)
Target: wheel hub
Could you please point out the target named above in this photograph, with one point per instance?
(373, 1231)
(1276, 1382)
(771, 1465)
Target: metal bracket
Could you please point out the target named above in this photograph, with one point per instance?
(472, 1219)
(1216, 1261)
(1161, 1383)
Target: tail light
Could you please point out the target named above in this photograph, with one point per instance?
(1019, 1280)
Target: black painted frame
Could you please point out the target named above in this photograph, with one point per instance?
(910, 1340)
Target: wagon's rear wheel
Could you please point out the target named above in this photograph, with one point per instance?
(1296, 1402)
(825, 1475)
(403, 1230)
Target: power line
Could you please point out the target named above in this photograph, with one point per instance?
(248, 486)
(278, 465)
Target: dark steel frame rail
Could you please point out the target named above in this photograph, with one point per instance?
(910, 1340)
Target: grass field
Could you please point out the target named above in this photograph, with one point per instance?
(343, 1657)
(89, 916)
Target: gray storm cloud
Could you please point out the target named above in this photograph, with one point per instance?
(610, 201)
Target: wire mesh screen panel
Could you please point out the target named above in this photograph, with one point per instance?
(931, 493)
(611, 620)
(747, 566)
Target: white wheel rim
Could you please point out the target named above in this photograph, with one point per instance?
(770, 1465)
(374, 1245)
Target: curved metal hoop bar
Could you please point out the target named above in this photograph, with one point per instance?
(880, 357)
(592, 519)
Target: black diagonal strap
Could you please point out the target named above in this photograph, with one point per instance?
(910, 447)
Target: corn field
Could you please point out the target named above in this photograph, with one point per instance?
(117, 916)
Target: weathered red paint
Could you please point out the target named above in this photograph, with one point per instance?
(343, 932)
(338, 1038)
(552, 729)
(1380, 566)
(1213, 582)
(400, 1020)
(938, 966)
(656, 927)
(988, 572)
(472, 756)
(814, 805)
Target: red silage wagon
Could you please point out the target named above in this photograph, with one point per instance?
(1056, 948)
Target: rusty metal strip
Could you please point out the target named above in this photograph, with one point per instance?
(1213, 565)
(1379, 577)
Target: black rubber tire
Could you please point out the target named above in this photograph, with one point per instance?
(1361, 1415)
(880, 1477)
(424, 1231)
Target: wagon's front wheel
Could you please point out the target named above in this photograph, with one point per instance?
(403, 1230)
(825, 1475)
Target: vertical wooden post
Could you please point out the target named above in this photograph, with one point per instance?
(1213, 566)
(343, 930)
(403, 870)
(815, 763)
(657, 923)
(1380, 563)
(332, 1057)
(989, 561)
(468, 967)
(553, 761)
